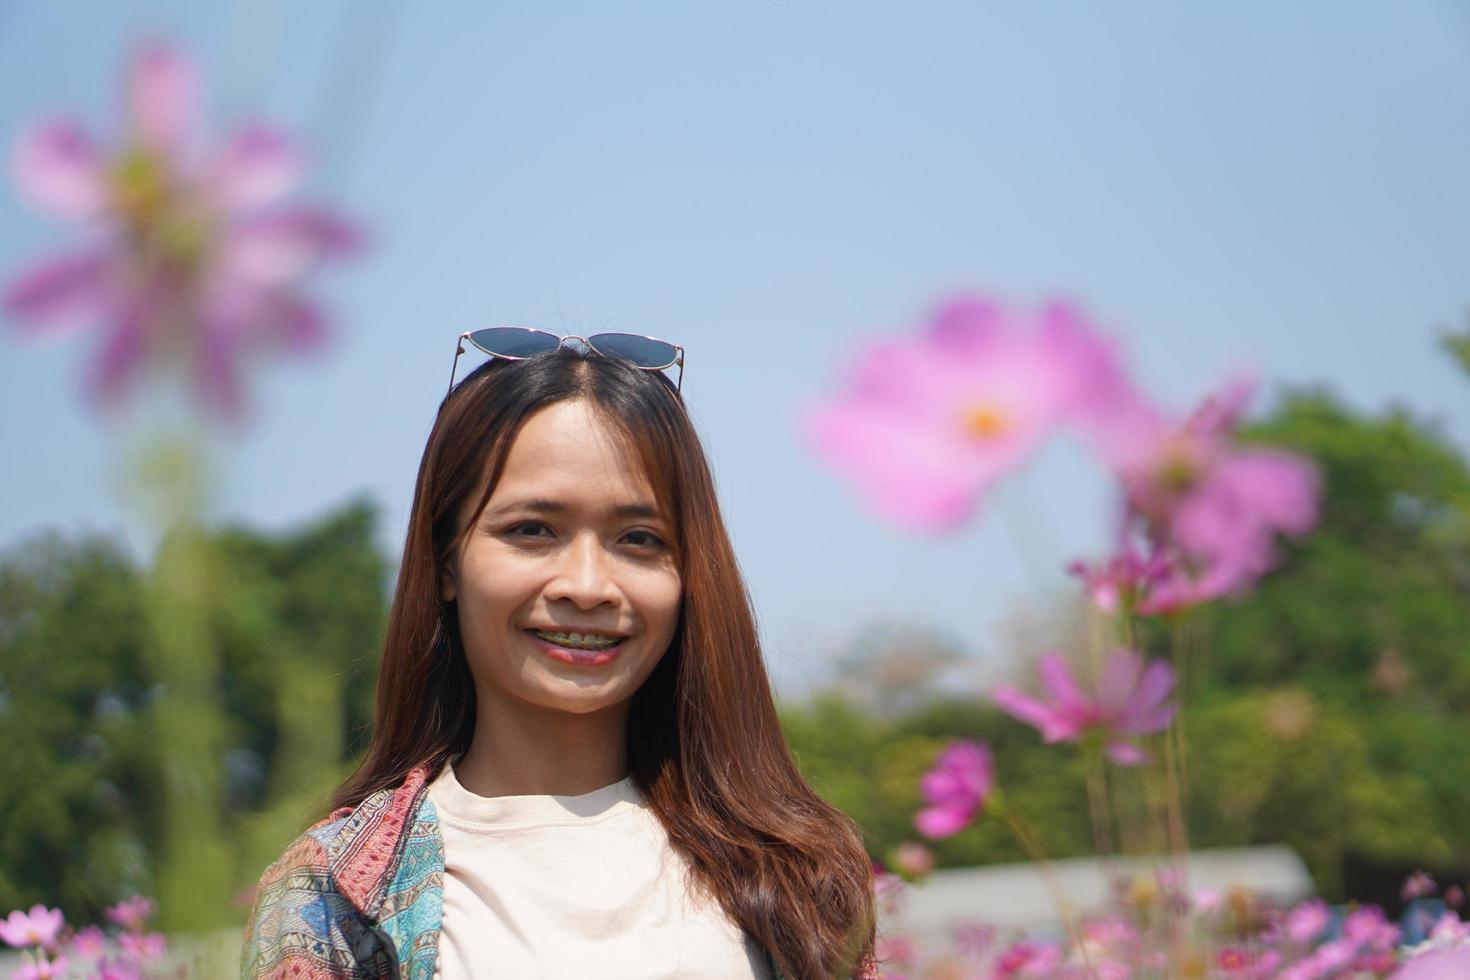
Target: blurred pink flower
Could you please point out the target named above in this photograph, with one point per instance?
(955, 789)
(896, 950)
(913, 860)
(132, 914)
(180, 264)
(38, 927)
(117, 970)
(926, 425)
(1369, 927)
(1307, 921)
(1448, 927)
(90, 943)
(41, 968)
(1130, 701)
(1119, 583)
(1027, 959)
(143, 947)
(1437, 964)
(1209, 510)
(1417, 885)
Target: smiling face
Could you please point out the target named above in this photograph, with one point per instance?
(570, 542)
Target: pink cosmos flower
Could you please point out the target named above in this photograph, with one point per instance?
(955, 789)
(925, 426)
(1130, 701)
(1449, 928)
(41, 968)
(1307, 921)
(38, 927)
(896, 950)
(1121, 582)
(1209, 509)
(182, 261)
(1027, 959)
(117, 970)
(90, 943)
(132, 914)
(1369, 927)
(913, 860)
(1437, 964)
(143, 947)
(1417, 885)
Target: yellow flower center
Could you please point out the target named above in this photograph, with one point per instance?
(140, 187)
(985, 422)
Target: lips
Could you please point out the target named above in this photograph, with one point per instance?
(577, 658)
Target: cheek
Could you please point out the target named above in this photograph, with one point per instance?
(661, 598)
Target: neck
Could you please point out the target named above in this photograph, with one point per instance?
(521, 749)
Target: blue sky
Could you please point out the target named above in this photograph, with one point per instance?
(1278, 186)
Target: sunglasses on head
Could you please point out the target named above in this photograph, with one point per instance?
(519, 343)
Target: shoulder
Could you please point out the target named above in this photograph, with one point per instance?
(302, 925)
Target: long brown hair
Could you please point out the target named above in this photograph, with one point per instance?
(703, 742)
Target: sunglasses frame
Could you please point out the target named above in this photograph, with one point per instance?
(561, 342)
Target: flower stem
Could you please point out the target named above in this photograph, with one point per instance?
(1038, 857)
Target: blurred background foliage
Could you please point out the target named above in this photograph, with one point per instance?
(297, 620)
(1331, 708)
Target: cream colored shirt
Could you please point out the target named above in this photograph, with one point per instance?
(574, 886)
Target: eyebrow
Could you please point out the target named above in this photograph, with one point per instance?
(540, 505)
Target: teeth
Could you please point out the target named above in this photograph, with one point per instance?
(579, 641)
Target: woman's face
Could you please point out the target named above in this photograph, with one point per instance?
(566, 587)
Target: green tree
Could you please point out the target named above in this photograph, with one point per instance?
(297, 617)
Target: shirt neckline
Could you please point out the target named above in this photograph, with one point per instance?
(499, 812)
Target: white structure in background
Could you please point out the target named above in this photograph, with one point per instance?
(1015, 897)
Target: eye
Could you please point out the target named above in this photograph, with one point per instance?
(644, 539)
(526, 529)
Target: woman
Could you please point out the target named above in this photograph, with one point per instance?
(575, 767)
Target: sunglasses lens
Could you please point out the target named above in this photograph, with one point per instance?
(642, 351)
(515, 341)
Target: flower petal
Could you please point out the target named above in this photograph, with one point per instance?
(161, 95)
(279, 248)
(58, 168)
(1126, 753)
(1053, 725)
(913, 476)
(942, 821)
(217, 372)
(257, 165)
(118, 363)
(1056, 677)
(57, 292)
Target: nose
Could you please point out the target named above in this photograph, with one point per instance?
(584, 574)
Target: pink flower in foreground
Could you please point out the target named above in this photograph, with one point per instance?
(1437, 964)
(926, 425)
(41, 968)
(1449, 928)
(182, 261)
(143, 947)
(38, 927)
(90, 943)
(1307, 921)
(1129, 701)
(955, 789)
(1210, 510)
(117, 970)
(132, 914)
(1028, 959)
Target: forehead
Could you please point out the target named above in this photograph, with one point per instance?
(570, 453)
